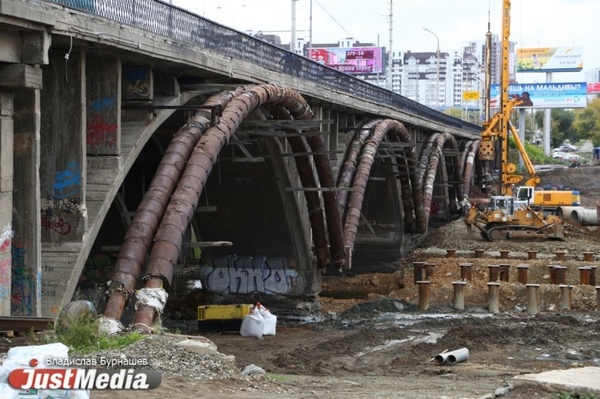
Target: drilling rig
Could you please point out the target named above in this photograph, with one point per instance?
(503, 220)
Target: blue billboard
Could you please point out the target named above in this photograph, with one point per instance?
(544, 95)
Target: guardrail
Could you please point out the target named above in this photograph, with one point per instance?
(184, 26)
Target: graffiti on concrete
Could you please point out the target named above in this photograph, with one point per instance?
(5, 277)
(57, 224)
(5, 238)
(22, 290)
(68, 205)
(233, 274)
(67, 183)
(103, 104)
(136, 82)
(100, 133)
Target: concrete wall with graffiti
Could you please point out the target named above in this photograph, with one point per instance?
(62, 162)
(62, 218)
(5, 269)
(235, 274)
(103, 124)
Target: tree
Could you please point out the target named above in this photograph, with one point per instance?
(561, 127)
(455, 112)
(587, 122)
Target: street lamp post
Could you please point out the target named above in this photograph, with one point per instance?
(437, 78)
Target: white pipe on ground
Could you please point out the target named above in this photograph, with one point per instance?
(585, 217)
(453, 357)
(564, 212)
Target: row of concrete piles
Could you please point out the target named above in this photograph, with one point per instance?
(423, 271)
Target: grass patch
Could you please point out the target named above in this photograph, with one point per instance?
(82, 336)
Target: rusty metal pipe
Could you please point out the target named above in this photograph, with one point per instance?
(353, 210)
(362, 175)
(348, 168)
(185, 198)
(468, 168)
(146, 219)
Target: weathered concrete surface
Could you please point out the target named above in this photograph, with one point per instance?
(586, 378)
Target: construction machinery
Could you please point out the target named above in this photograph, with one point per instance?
(502, 219)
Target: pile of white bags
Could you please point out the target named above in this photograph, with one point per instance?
(259, 322)
(21, 357)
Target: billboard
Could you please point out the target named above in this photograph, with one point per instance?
(351, 60)
(550, 59)
(545, 95)
(593, 88)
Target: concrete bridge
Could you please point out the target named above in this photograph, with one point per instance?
(138, 139)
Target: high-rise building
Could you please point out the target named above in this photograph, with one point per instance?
(449, 82)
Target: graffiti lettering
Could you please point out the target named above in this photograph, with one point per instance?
(68, 205)
(22, 286)
(5, 238)
(47, 268)
(57, 224)
(53, 284)
(246, 275)
(100, 132)
(141, 89)
(5, 277)
(70, 177)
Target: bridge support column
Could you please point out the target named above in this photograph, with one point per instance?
(27, 251)
(63, 171)
(6, 199)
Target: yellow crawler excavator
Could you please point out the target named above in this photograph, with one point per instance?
(502, 220)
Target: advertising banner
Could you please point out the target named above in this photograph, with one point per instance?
(544, 95)
(593, 88)
(550, 59)
(351, 60)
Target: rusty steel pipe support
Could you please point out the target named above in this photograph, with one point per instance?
(466, 271)
(348, 169)
(362, 175)
(494, 272)
(561, 274)
(423, 294)
(185, 198)
(504, 274)
(584, 275)
(418, 269)
(139, 236)
(522, 271)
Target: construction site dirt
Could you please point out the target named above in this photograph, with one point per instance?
(375, 338)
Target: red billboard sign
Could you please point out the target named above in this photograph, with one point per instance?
(352, 60)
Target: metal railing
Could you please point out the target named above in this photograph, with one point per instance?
(186, 27)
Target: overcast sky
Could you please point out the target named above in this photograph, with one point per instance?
(535, 23)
